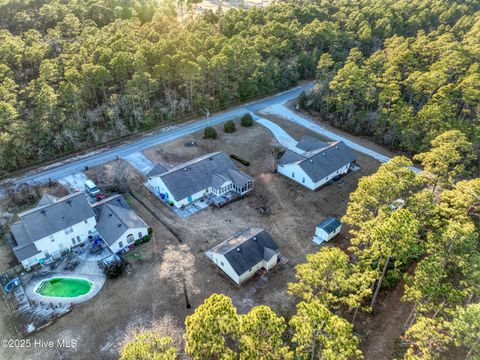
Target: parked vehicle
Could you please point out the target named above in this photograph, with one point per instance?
(100, 197)
(91, 188)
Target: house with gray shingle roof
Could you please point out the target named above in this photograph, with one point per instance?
(118, 225)
(53, 226)
(246, 252)
(213, 173)
(58, 224)
(315, 168)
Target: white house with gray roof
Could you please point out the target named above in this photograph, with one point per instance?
(318, 164)
(246, 252)
(118, 225)
(213, 173)
(52, 227)
(58, 224)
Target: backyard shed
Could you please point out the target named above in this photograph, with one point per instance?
(327, 229)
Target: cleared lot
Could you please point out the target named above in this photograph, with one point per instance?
(154, 287)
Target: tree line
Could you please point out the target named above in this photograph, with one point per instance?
(76, 74)
(409, 91)
(399, 219)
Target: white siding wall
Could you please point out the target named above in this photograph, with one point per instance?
(296, 173)
(322, 234)
(60, 240)
(115, 247)
(223, 264)
(160, 187)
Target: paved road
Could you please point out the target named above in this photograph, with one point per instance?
(61, 169)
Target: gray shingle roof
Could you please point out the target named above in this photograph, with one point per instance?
(290, 156)
(47, 199)
(116, 217)
(309, 143)
(329, 224)
(247, 248)
(198, 174)
(45, 220)
(157, 170)
(26, 251)
(318, 164)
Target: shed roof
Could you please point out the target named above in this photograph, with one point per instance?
(247, 248)
(329, 224)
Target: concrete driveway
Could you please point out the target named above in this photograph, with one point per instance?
(282, 111)
(281, 135)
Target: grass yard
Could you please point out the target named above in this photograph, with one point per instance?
(168, 273)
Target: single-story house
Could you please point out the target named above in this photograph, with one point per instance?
(54, 225)
(58, 224)
(118, 225)
(327, 229)
(213, 173)
(315, 168)
(246, 252)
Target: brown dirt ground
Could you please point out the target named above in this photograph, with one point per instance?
(153, 288)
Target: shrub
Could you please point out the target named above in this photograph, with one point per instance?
(246, 120)
(210, 133)
(240, 160)
(229, 126)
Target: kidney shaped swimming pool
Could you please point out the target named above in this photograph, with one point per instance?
(64, 287)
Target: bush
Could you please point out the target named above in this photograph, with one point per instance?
(210, 133)
(240, 160)
(229, 126)
(246, 120)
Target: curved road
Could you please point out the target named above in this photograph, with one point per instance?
(61, 169)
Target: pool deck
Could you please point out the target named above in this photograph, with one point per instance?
(87, 269)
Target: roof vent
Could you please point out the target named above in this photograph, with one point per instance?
(119, 225)
(210, 158)
(254, 238)
(69, 202)
(311, 160)
(44, 212)
(324, 154)
(110, 215)
(238, 249)
(184, 169)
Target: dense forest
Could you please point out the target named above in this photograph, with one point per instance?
(78, 73)
(411, 89)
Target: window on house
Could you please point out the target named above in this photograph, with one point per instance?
(293, 174)
(73, 241)
(86, 221)
(140, 235)
(221, 262)
(303, 180)
(70, 229)
(120, 244)
(78, 239)
(129, 238)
